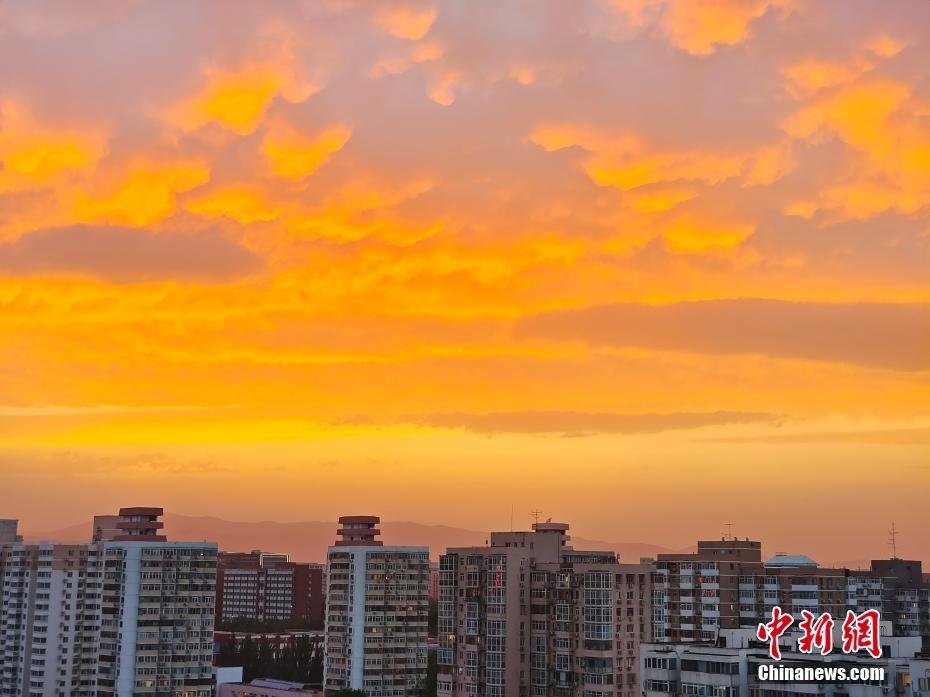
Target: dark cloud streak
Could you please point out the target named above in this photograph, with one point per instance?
(881, 335)
(126, 255)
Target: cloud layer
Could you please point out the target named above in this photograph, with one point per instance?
(579, 423)
(884, 335)
(630, 218)
(122, 255)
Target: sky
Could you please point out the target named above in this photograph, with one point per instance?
(649, 266)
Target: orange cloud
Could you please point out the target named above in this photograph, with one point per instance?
(630, 161)
(858, 115)
(363, 209)
(146, 196)
(886, 46)
(809, 76)
(659, 200)
(876, 121)
(698, 27)
(406, 22)
(293, 155)
(769, 164)
(237, 100)
(237, 203)
(33, 156)
(177, 229)
(442, 89)
(691, 235)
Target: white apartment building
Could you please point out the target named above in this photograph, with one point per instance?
(128, 614)
(377, 605)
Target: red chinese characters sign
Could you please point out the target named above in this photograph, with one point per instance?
(860, 632)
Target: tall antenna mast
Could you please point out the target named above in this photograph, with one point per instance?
(893, 541)
(536, 513)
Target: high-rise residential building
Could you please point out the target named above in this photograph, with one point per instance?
(49, 619)
(376, 613)
(265, 587)
(129, 613)
(727, 585)
(899, 590)
(529, 615)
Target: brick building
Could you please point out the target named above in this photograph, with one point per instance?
(261, 587)
(529, 615)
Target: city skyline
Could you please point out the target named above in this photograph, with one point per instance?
(649, 266)
(307, 541)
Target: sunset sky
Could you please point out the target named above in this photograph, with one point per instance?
(649, 266)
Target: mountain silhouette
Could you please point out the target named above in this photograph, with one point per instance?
(307, 541)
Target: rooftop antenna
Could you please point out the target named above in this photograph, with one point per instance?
(536, 513)
(893, 541)
(730, 531)
(511, 517)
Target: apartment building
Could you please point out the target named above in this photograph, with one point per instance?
(376, 613)
(728, 667)
(727, 585)
(262, 587)
(899, 590)
(49, 619)
(129, 613)
(529, 615)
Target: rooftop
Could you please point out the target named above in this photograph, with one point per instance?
(791, 560)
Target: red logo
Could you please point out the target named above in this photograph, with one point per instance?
(860, 632)
(817, 633)
(770, 631)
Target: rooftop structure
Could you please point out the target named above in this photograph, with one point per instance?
(781, 560)
(359, 530)
(377, 605)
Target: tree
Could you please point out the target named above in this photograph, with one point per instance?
(248, 657)
(301, 659)
(315, 670)
(432, 673)
(432, 618)
(244, 624)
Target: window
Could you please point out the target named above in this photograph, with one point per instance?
(657, 685)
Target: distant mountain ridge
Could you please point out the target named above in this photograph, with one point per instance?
(308, 540)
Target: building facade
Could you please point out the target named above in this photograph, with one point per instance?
(529, 615)
(376, 613)
(261, 587)
(127, 614)
(49, 619)
(728, 667)
(727, 585)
